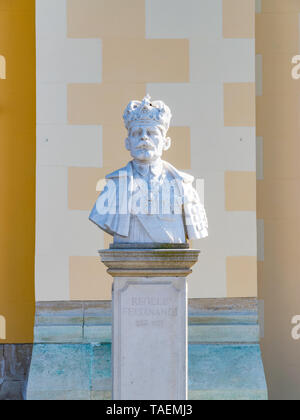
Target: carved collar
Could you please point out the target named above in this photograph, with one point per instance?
(156, 168)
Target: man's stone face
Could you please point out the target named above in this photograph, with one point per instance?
(146, 142)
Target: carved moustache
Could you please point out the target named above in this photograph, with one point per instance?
(146, 146)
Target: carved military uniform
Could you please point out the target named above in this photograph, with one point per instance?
(116, 214)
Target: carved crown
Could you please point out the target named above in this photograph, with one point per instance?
(147, 111)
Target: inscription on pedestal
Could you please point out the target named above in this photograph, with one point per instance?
(147, 310)
(152, 338)
(149, 343)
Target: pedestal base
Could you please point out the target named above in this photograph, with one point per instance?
(149, 322)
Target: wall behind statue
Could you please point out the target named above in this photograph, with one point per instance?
(278, 204)
(93, 56)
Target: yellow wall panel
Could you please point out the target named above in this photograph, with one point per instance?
(106, 19)
(277, 32)
(114, 140)
(238, 18)
(101, 103)
(273, 195)
(88, 279)
(2, 67)
(17, 170)
(281, 246)
(19, 319)
(128, 60)
(282, 158)
(108, 239)
(82, 192)
(241, 276)
(240, 191)
(239, 105)
(277, 75)
(278, 204)
(280, 6)
(180, 151)
(278, 117)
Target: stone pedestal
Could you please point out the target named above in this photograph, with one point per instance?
(149, 345)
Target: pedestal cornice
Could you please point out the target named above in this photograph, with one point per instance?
(149, 262)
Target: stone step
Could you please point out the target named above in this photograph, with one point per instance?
(97, 334)
(83, 372)
(210, 321)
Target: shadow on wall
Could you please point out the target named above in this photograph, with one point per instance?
(15, 360)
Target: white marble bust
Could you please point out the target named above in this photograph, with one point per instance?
(149, 201)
